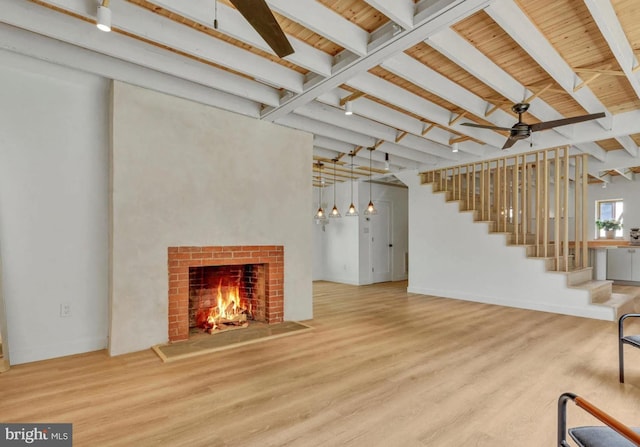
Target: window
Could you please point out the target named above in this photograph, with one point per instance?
(609, 210)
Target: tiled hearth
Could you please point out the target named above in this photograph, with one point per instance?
(180, 259)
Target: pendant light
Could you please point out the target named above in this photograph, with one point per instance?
(320, 216)
(370, 208)
(352, 211)
(334, 212)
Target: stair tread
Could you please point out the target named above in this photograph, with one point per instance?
(617, 300)
(592, 284)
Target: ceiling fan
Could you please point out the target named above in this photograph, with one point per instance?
(260, 17)
(522, 130)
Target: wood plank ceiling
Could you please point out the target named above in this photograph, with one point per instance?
(416, 70)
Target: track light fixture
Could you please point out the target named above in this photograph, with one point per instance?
(454, 147)
(348, 108)
(386, 161)
(103, 17)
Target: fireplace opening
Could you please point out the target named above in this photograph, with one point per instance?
(225, 297)
(261, 281)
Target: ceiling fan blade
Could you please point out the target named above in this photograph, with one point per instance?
(510, 142)
(563, 122)
(482, 126)
(258, 14)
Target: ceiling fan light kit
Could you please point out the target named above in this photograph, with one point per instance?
(522, 130)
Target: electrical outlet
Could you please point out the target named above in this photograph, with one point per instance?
(65, 310)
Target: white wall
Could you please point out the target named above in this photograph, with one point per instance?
(53, 208)
(341, 251)
(453, 257)
(337, 244)
(619, 188)
(188, 174)
(398, 199)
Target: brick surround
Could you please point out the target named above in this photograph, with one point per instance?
(181, 258)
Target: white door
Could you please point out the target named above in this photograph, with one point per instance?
(381, 244)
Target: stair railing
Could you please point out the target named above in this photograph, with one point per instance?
(532, 196)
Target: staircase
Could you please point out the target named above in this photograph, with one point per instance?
(519, 197)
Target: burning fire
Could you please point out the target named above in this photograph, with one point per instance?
(230, 310)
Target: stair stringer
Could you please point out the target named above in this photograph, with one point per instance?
(454, 257)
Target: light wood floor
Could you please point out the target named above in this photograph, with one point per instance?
(381, 368)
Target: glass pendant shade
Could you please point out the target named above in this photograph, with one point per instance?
(370, 209)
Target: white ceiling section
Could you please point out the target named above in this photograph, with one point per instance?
(416, 70)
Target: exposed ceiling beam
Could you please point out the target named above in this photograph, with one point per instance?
(629, 145)
(406, 100)
(399, 11)
(81, 34)
(315, 16)
(165, 32)
(517, 24)
(627, 174)
(232, 23)
(605, 17)
(375, 111)
(59, 53)
(436, 15)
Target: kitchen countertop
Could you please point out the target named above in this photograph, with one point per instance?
(609, 243)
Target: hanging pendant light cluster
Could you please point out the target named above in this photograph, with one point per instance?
(321, 216)
(370, 208)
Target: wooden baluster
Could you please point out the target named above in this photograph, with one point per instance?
(505, 204)
(482, 190)
(579, 260)
(460, 183)
(466, 184)
(525, 198)
(556, 203)
(545, 206)
(491, 176)
(516, 198)
(497, 195)
(585, 193)
(565, 210)
(538, 204)
(473, 186)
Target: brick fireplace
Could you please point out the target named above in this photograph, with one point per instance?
(268, 258)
